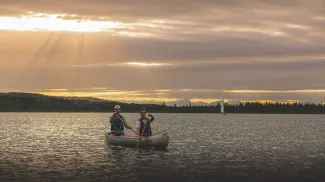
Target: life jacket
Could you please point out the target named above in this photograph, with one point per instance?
(116, 123)
(147, 131)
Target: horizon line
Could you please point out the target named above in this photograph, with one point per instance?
(233, 101)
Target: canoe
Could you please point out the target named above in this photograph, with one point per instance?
(159, 140)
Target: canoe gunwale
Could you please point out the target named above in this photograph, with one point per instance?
(157, 140)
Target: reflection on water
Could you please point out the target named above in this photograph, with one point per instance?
(203, 147)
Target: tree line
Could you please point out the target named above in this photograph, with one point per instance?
(26, 102)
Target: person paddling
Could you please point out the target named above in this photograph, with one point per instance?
(143, 127)
(118, 122)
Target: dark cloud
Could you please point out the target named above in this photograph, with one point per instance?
(254, 75)
(214, 48)
(156, 8)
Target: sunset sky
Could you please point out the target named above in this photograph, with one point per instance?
(171, 50)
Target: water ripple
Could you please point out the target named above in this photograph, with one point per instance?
(203, 147)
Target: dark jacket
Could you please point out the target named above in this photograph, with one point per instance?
(117, 125)
(146, 128)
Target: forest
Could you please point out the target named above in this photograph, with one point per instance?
(28, 102)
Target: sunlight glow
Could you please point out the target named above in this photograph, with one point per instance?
(123, 64)
(271, 101)
(163, 90)
(297, 26)
(123, 96)
(134, 34)
(260, 101)
(58, 89)
(146, 64)
(321, 18)
(276, 91)
(54, 22)
(166, 95)
(208, 101)
(265, 31)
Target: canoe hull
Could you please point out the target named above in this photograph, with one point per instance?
(159, 140)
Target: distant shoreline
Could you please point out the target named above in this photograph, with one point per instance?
(26, 102)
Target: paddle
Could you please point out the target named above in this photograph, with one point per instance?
(126, 124)
(142, 132)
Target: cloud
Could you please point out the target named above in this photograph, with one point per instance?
(209, 44)
(258, 75)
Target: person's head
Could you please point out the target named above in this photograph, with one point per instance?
(143, 112)
(117, 109)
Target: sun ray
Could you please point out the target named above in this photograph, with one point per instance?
(41, 50)
(55, 22)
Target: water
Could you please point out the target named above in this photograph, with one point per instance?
(203, 147)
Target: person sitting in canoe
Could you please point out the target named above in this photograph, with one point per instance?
(118, 122)
(143, 124)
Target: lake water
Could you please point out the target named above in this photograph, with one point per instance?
(203, 147)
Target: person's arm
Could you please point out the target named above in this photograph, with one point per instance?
(125, 123)
(137, 126)
(138, 132)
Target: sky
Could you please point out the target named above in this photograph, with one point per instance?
(165, 51)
